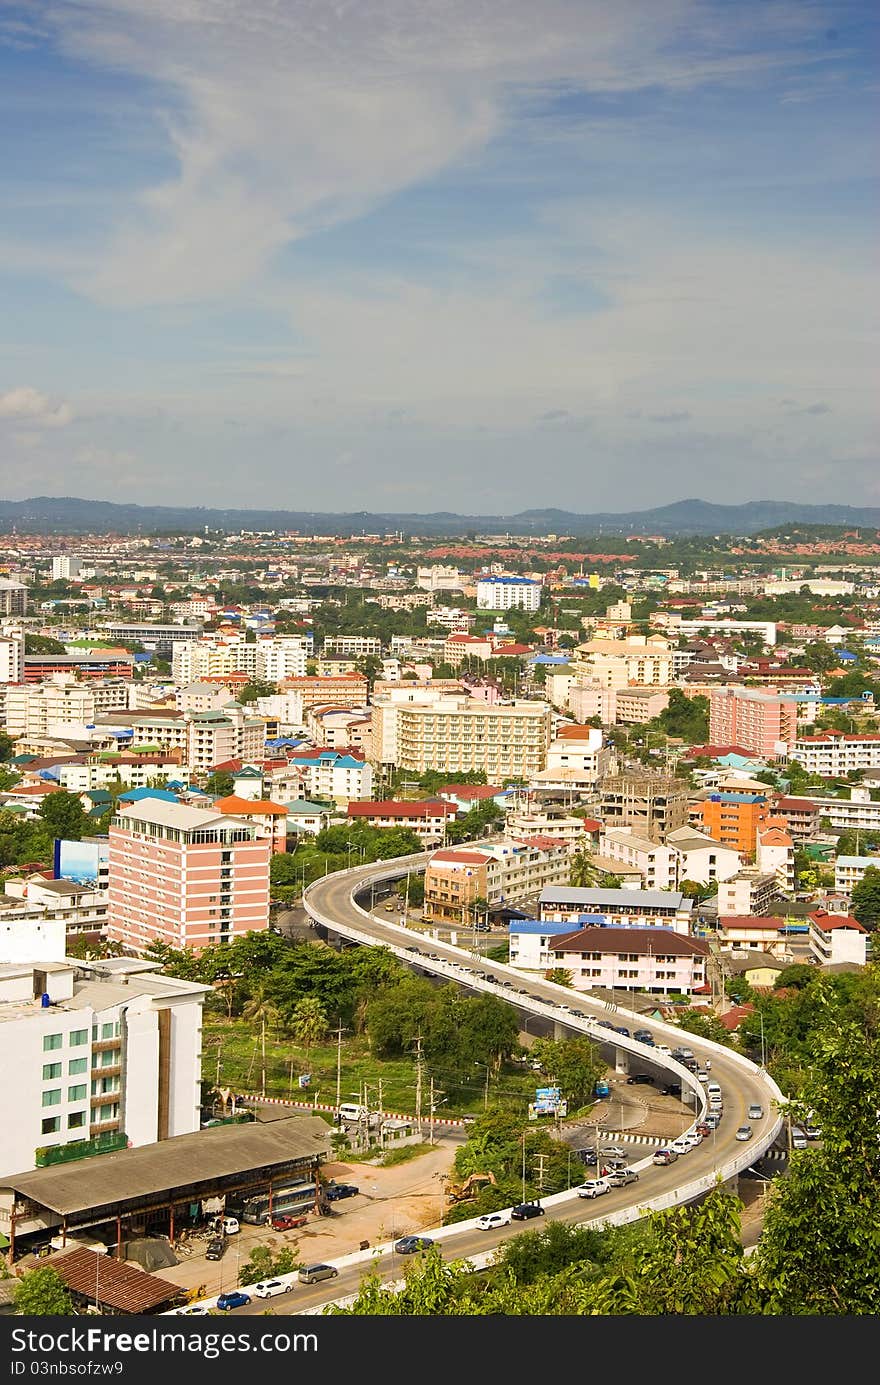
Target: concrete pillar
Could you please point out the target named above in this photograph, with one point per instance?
(559, 1031)
(621, 1060)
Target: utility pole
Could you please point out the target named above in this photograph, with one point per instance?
(263, 1045)
(541, 1158)
(338, 1031)
(381, 1119)
(419, 1073)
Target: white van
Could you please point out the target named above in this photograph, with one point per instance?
(713, 1089)
(226, 1226)
(350, 1111)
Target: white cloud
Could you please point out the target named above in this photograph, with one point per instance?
(24, 403)
(288, 118)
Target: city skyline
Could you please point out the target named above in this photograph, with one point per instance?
(407, 258)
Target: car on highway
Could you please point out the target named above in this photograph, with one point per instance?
(644, 1036)
(312, 1274)
(618, 1178)
(524, 1211)
(704, 1128)
(613, 1161)
(594, 1187)
(335, 1191)
(271, 1288)
(664, 1156)
(286, 1223)
(694, 1137)
(580, 1014)
(663, 1048)
(744, 1132)
(756, 1112)
(621, 1029)
(681, 1146)
(234, 1298)
(490, 1220)
(712, 1119)
(411, 1245)
(605, 1024)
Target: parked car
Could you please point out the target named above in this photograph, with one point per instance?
(756, 1112)
(226, 1226)
(311, 1274)
(215, 1248)
(409, 1245)
(640, 1077)
(744, 1132)
(671, 1089)
(334, 1191)
(798, 1137)
(283, 1223)
(618, 1178)
(813, 1132)
(664, 1156)
(594, 1187)
(523, 1211)
(234, 1298)
(490, 1220)
(270, 1288)
(615, 1151)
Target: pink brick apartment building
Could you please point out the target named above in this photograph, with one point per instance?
(759, 721)
(188, 877)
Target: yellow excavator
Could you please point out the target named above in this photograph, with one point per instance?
(467, 1191)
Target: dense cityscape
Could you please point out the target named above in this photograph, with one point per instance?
(646, 781)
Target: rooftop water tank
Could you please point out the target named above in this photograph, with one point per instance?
(45, 1001)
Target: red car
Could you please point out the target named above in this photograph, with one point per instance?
(703, 1129)
(286, 1223)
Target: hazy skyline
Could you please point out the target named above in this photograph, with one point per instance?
(407, 256)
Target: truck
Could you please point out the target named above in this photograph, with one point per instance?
(602, 1088)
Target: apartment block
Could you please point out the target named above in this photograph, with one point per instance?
(657, 863)
(733, 819)
(632, 959)
(849, 871)
(188, 877)
(507, 872)
(834, 754)
(639, 661)
(508, 593)
(330, 774)
(836, 938)
(426, 817)
(11, 655)
(762, 722)
(750, 891)
(13, 598)
(458, 734)
(656, 908)
(99, 1054)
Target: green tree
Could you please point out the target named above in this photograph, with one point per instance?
(705, 1027)
(42, 1293)
(308, 1022)
(220, 784)
(63, 815)
(6, 746)
(866, 899)
(266, 1263)
(573, 1065)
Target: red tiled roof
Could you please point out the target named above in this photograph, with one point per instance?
(245, 807)
(470, 790)
(469, 858)
(734, 1017)
(826, 921)
(112, 1282)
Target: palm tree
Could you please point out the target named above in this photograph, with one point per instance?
(262, 1009)
(308, 1022)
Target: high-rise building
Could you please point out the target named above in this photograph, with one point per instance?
(651, 805)
(13, 598)
(188, 877)
(764, 722)
(508, 593)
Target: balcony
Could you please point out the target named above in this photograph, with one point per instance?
(104, 1098)
(104, 1045)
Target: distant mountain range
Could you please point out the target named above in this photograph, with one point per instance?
(68, 515)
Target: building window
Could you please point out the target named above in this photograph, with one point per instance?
(108, 1031)
(78, 1037)
(51, 1125)
(51, 1070)
(51, 1041)
(76, 1065)
(76, 1120)
(77, 1093)
(53, 1097)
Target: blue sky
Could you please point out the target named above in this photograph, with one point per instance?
(403, 256)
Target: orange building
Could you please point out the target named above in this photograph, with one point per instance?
(733, 819)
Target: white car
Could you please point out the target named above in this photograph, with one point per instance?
(663, 1048)
(693, 1138)
(490, 1220)
(594, 1187)
(268, 1288)
(197, 1308)
(681, 1146)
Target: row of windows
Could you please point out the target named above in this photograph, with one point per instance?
(77, 1037)
(52, 1096)
(75, 1066)
(75, 1121)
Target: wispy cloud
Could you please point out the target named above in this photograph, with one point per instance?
(681, 416)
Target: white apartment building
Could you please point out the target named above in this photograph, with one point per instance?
(836, 938)
(438, 578)
(849, 871)
(329, 774)
(451, 618)
(580, 748)
(657, 908)
(859, 812)
(632, 959)
(61, 703)
(508, 593)
(96, 1049)
(284, 708)
(507, 872)
(834, 754)
(701, 858)
(64, 567)
(353, 646)
(657, 863)
(689, 629)
(268, 659)
(11, 655)
(775, 852)
(750, 891)
(524, 821)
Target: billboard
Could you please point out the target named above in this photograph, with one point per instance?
(82, 862)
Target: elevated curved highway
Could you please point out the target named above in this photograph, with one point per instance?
(332, 903)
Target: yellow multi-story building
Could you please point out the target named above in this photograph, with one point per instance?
(507, 740)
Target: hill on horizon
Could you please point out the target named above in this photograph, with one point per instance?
(72, 515)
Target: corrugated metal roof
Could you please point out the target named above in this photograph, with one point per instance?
(182, 1161)
(112, 1282)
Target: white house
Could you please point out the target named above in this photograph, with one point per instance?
(837, 938)
(637, 959)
